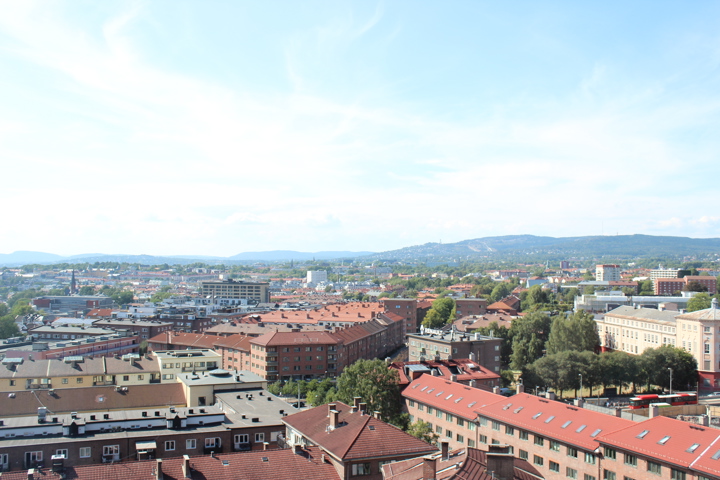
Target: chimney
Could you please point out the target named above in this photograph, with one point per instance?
(445, 450)
(579, 402)
(550, 395)
(618, 412)
(331, 407)
(334, 416)
(496, 390)
(159, 472)
(376, 414)
(519, 388)
(429, 467)
(356, 402)
(363, 408)
(654, 411)
(186, 466)
(31, 474)
(704, 420)
(453, 378)
(500, 463)
(473, 383)
(265, 445)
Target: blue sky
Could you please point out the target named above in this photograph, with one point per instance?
(220, 127)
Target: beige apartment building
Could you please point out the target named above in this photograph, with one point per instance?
(632, 330)
(699, 333)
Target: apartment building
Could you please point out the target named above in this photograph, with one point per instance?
(107, 345)
(470, 306)
(565, 441)
(633, 330)
(607, 273)
(355, 443)
(699, 334)
(228, 292)
(705, 280)
(668, 286)
(174, 362)
(145, 329)
(439, 344)
(406, 308)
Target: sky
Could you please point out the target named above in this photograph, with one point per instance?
(215, 127)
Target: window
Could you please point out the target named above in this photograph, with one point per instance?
(111, 450)
(496, 425)
(64, 381)
(653, 467)
(523, 435)
(471, 426)
(126, 378)
(438, 430)
(572, 452)
(85, 452)
(190, 444)
(570, 472)
(62, 451)
(78, 380)
(630, 460)
(509, 430)
(483, 439)
(448, 433)
(460, 422)
(361, 469)
(438, 413)
(259, 437)
(460, 438)
(677, 474)
(609, 475)
(537, 460)
(411, 403)
(554, 466)
(33, 457)
(430, 410)
(523, 454)
(169, 445)
(589, 477)
(212, 442)
(471, 443)
(539, 441)
(610, 453)
(554, 446)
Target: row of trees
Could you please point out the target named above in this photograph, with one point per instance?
(567, 369)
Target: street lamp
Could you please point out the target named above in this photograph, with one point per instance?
(580, 375)
(670, 370)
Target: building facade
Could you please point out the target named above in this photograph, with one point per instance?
(236, 292)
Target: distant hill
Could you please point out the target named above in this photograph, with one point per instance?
(534, 247)
(504, 248)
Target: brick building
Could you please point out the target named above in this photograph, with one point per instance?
(438, 344)
(145, 329)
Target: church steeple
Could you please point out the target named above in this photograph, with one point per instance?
(72, 283)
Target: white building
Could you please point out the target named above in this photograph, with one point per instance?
(317, 276)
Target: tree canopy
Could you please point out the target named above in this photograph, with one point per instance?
(575, 332)
(375, 383)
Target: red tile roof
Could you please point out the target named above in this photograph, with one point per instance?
(465, 370)
(553, 419)
(357, 436)
(258, 465)
(456, 398)
(669, 440)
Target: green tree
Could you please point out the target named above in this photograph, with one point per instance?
(535, 298)
(656, 362)
(433, 319)
(500, 291)
(375, 383)
(87, 290)
(647, 287)
(700, 301)
(529, 334)
(575, 332)
(8, 327)
(694, 286)
(423, 431)
(618, 368)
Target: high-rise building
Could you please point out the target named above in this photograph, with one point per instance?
(236, 290)
(607, 273)
(317, 276)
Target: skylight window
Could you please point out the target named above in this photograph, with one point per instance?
(431, 390)
(517, 410)
(596, 432)
(664, 440)
(643, 433)
(565, 425)
(416, 385)
(716, 456)
(371, 427)
(457, 400)
(473, 403)
(580, 428)
(536, 415)
(507, 406)
(439, 393)
(423, 388)
(550, 419)
(693, 447)
(448, 397)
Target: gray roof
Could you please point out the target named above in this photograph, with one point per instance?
(644, 313)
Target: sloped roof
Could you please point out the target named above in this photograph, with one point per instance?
(94, 398)
(456, 398)
(553, 419)
(357, 436)
(464, 369)
(672, 441)
(258, 465)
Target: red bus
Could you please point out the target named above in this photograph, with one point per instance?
(681, 398)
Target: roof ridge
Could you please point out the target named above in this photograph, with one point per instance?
(360, 431)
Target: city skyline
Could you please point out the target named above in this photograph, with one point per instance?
(213, 129)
